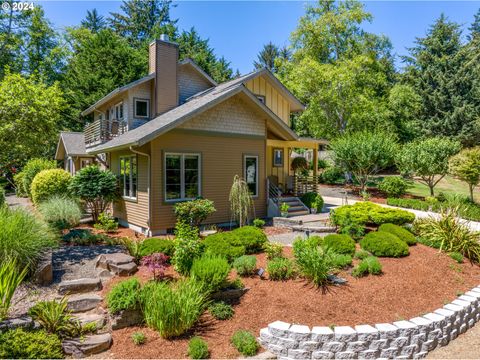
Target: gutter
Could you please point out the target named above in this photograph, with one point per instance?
(149, 232)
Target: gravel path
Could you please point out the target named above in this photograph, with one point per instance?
(466, 346)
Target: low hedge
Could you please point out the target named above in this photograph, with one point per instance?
(157, 245)
(339, 243)
(381, 243)
(251, 237)
(400, 232)
(224, 244)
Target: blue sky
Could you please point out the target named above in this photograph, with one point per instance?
(238, 29)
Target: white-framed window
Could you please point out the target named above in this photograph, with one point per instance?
(182, 176)
(142, 108)
(250, 169)
(278, 157)
(119, 111)
(128, 176)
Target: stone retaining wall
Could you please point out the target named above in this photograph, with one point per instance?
(401, 340)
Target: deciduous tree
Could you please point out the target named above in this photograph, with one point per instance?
(466, 167)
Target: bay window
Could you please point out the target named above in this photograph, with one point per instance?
(128, 176)
(182, 176)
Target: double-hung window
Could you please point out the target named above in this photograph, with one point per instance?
(250, 163)
(128, 176)
(141, 108)
(182, 176)
(119, 111)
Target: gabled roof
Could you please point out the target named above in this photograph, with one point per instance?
(115, 92)
(194, 106)
(193, 64)
(73, 144)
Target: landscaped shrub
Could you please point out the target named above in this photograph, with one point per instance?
(409, 203)
(341, 261)
(361, 254)
(245, 265)
(198, 348)
(49, 183)
(31, 169)
(55, 318)
(381, 243)
(394, 186)
(124, 296)
(221, 311)
(259, 223)
(449, 234)
(363, 213)
(187, 247)
(10, 278)
(157, 263)
(339, 243)
(369, 265)
(24, 237)
(2, 196)
(20, 190)
(313, 200)
(106, 222)
(245, 343)
(332, 175)
(273, 250)
(224, 244)
(172, 309)
(21, 344)
(280, 269)
(97, 188)
(157, 245)
(400, 232)
(61, 213)
(133, 247)
(139, 338)
(252, 238)
(194, 212)
(313, 261)
(211, 271)
(84, 237)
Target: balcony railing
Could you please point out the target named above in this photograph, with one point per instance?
(101, 131)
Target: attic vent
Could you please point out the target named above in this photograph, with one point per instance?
(164, 37)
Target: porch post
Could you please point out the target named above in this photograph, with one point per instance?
(315, 160)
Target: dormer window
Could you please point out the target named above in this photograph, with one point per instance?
(142, 108)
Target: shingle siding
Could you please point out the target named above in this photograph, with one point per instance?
(190, 82)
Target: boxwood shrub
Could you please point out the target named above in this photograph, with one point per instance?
(157, 245)
(251, 237)
(339, 243)
(381, 243)
(21, 344)
(224, 244)
(400, 232)
(48, 183)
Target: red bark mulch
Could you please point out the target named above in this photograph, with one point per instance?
(410, 286)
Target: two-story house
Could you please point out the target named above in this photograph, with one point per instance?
(177, 135)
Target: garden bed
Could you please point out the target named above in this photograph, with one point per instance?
(410, 286)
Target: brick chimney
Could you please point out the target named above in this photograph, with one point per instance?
(163, 61)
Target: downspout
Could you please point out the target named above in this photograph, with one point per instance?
(149, 233)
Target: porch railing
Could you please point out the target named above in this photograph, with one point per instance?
(100, 131)
(274, 192)
(304, 184)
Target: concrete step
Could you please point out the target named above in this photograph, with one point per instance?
(298, 207)
(298, 213)
(79, 286)
(84, 302)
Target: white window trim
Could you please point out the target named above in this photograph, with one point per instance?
(256, 172)
(136, 163)
(182, 176)
(115, 111)
(135, 108)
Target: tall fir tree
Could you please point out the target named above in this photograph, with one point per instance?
(267, 56)
(94, 21)
(474, 28)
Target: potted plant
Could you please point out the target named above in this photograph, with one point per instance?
(284, 209)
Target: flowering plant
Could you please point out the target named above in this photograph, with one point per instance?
(157, 263)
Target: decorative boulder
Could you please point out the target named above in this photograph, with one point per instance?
(126, 318)
(44, 271)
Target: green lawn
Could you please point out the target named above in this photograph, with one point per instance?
(447, 185)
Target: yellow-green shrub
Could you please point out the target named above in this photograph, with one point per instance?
(48, 183)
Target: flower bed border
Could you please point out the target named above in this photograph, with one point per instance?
(401, 339)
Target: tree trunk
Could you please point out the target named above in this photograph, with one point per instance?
(470, 187)
(431, 186)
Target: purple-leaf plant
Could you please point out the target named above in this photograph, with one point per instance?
(157, 263)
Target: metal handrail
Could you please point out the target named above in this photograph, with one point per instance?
(100, 131)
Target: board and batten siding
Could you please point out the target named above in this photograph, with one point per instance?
(133, 211)
(273, 99)
(221, 160)
(190, 82)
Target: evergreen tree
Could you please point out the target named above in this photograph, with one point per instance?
(440, 75)
(266, 57)
(475, 26)
(94, 22)
(142, 21)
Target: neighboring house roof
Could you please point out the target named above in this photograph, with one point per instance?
(72, 143)
(194, 106)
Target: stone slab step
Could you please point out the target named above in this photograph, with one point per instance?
(87, 345)
(98, 319)
(79, 286)
(84, 302)
(317, 229)
(105, 260)
(123, 269)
